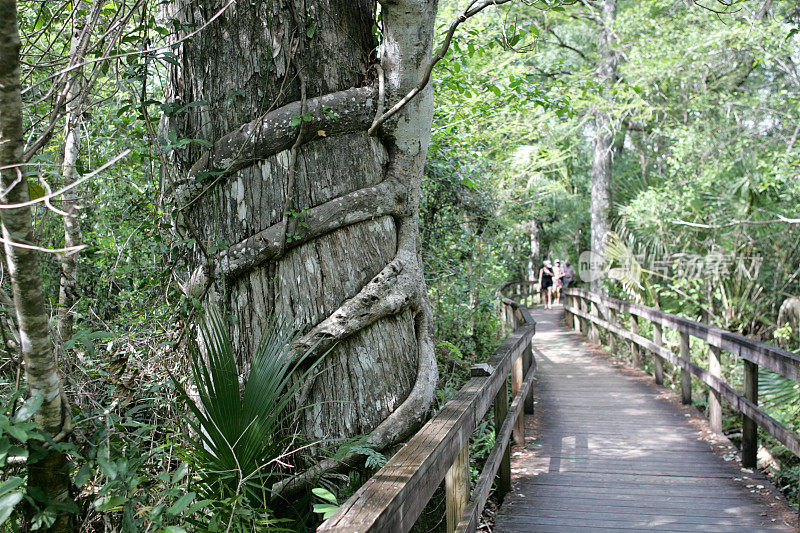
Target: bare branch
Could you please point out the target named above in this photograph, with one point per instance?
(155, 49)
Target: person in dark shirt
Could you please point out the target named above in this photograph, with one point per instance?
(546, 284)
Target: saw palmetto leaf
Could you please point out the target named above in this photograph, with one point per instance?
(242, 434)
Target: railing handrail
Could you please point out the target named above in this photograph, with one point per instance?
(771, 357)
(395, 496)
(753, 352)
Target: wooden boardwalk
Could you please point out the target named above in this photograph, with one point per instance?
(608, 450)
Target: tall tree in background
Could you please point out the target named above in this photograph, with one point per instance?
(48, 474)
(69, 173)
(315, 219)
(603, 135)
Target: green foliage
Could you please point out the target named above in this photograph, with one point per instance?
(327, 509)
(16, 430)
(243, 437)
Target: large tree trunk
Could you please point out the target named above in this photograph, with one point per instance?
(603, 138)
(50, 473)
(344, 263)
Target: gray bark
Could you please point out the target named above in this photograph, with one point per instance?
(49, 474)
(789, 313)
(603, 138)
(345, 266)
(535, 251)
(67, 294)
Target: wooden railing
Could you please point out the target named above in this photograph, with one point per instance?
(396, 495)
(587, 311)
(523, 292)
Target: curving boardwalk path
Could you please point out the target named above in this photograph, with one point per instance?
(609, 450)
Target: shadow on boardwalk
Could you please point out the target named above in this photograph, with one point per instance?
(609, 450)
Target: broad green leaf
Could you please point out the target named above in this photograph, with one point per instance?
(324, 494)
(83, 475)
(107, 467)
(106, 503)
(7, 504)
(325, 509)
(18, 433)
(28, 409)
(10, 484)
(180, 472)
(35, 190)
(182, 503)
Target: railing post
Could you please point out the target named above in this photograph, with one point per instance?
(658, 368)
(517, 377)
(527, 361)
(516, 384)
(567, 314)
(584, 329)
(576, 320)
(635, 351)
(504, 472)
(714, 405)
(749, 426)
(686, 376)
(612, 337)
(456, 483)
(594, 332)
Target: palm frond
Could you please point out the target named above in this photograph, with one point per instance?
(242, 434)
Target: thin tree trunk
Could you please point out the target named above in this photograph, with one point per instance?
(535, 252)
(50, 473)
(603, 139)
(72, 144)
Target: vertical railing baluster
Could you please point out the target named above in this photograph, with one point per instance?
(635, 350)
(582, 306)
(714, 404)
(504, 472)
(658, 363)
(612, 337)
(456, 483)
(594, 331)
(749, 426)
(686, 376)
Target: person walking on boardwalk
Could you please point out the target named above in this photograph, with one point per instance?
(546, 284)
(558, 273)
